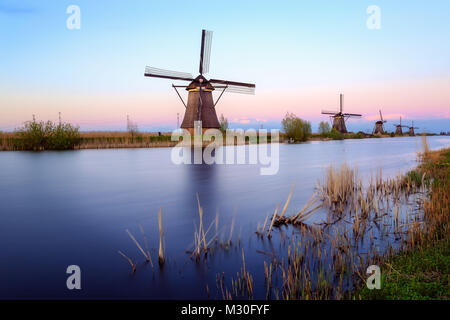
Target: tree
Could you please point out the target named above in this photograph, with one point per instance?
(324, 128)
(223, 123)
(296, 128)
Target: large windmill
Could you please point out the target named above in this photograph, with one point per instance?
(379, 128)
(398, 128)
(201, 105)
(411, 129)
(339, 117)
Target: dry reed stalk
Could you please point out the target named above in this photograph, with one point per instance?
(161, 251)
(147, 257)
(146, 244)
(264, 225)
(287, 201)
(133, 266)
(201, 230)
(425, 147)
(273, 220)
(232, 227)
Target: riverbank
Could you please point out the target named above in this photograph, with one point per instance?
(422, 272)
(122, 140)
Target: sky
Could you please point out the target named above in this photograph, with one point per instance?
(300, 54)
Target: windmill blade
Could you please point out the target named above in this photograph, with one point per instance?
(381, 116)
(242, 90)
(329, 112)
(233, 83)
(341, 102)
(167, 74)
(205, 51)
(352, 115)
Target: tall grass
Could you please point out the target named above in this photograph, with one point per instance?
(369, 224)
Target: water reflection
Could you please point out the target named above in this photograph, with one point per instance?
(64, 208)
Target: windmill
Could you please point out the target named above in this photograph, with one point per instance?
(379, 129)
(201, 105)
(411, 129)
(398, 128)
(339, 117)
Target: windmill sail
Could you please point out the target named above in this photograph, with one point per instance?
(205, 51)
(200, 104)
(232, 83)
(167, 74)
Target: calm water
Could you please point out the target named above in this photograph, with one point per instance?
(63, 208)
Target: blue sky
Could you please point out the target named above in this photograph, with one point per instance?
(301, 55)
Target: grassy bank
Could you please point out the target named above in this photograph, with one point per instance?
(18, 141)
(422, 272)
(14, 141)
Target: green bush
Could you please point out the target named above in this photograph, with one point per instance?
(335, 135)
(359, 135)
(41, 135)
(296, 128)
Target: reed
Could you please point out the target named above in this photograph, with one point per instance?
(161, 259)
(147, 256)
(273, 221)
(146, 245)
(133, 265)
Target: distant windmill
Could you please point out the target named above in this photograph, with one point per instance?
(398, 128)
(379, 125)
(411, 129)
(339, 117)
(200, 105)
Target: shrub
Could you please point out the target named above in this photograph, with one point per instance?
(359, 135)
(64, 136)
(41, 135)
(296, 128)
(335, 135)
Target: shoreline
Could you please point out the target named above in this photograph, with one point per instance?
(119, 140)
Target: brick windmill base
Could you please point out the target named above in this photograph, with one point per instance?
(208, 112)
(339, 124)
(378, 128)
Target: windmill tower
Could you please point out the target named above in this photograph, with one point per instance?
(200, 105)
(339, 117)
(379, 129)
(398, 128)
(411, 129)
